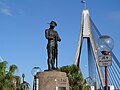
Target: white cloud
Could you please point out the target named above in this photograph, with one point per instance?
(6, 11)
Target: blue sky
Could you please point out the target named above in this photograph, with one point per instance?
(23, 23)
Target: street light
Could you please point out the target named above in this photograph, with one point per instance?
(35, 70)
(105, 45)
(26, 85)
(23, 77)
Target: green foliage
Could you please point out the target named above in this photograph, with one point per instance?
(3, 66)
(25, 86)
(7, 78)
(75, 77)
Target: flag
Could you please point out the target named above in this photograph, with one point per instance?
(83, 1)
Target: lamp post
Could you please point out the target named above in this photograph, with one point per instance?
(23, 76)
(105, 45)
(26, 85)
(35, 82)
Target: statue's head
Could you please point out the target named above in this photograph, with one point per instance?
(53, 23)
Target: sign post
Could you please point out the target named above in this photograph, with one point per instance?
(105, 60)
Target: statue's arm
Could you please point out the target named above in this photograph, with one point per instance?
(58, 38)
(47, 35)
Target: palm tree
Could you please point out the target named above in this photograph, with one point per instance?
(12, 69)
(3, 66)
(8, 79)
(75, 77)
(25, 86)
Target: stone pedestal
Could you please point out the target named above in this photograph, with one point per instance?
(52, 80)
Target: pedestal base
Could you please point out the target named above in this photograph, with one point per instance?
(52, 80)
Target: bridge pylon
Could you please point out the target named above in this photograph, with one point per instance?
(86, 33)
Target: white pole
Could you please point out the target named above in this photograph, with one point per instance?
(37, 83)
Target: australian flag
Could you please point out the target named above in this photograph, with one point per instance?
(83, 1)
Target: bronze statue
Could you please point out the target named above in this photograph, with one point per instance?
(52, 47)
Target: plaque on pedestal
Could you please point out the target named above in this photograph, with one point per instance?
(52, 80)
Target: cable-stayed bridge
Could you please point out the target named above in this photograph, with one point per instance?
(89, 31)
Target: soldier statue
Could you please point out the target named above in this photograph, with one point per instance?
(52, 47)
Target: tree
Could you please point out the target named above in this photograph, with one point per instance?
(75, 77)
(3, 66)
(8, 81)
(25, 85)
